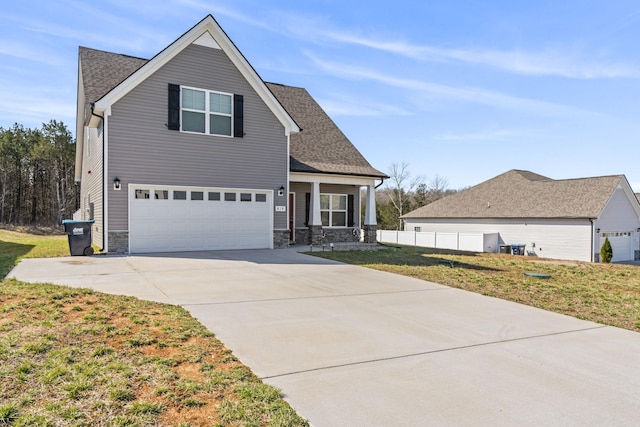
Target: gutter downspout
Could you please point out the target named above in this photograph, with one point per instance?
(381, 182)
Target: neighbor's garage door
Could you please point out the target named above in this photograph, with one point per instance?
(165, 219)
(621, 243)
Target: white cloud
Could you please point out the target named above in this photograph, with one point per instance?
(549, 62)
(455, 93)
(33, 105)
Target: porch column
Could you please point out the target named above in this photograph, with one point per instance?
(314, 214)
(315, 219)
(370, 223)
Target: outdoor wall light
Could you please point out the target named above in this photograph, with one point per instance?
(116, 184)
(281, 191)
(598, 230)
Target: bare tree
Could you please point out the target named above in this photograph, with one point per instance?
(401, 186)
(429, 192)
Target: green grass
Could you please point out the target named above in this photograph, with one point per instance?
(603, 293)
(74, 357)
(14, 246)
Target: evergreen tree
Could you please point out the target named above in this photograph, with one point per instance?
(606, 251)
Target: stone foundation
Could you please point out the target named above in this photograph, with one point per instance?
(370, 233)
(340, 235)
(317, 236)
(280, 239)
(302, 236)
(118, 242)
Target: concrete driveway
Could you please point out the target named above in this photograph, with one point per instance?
(350, 346)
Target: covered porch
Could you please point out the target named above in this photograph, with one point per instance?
(327, 208)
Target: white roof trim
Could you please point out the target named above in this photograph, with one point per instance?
(209, 25)
(331, 178)
(207, 40)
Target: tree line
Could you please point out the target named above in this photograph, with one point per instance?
(37, 175)
(403, 193)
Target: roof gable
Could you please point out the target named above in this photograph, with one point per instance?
(523, 194)
(199, 34)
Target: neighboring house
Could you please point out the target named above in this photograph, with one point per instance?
(191, 150)
(562, 219)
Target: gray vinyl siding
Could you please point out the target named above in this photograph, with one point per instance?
(92, 183)
(142, 150)
(301, 188)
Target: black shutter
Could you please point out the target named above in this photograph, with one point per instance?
(174, 107)
(238, 116)
(350, 219)
(307, 205)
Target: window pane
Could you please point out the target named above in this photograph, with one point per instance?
(261, 197)
(220, 125)
(324, 201)
(197, 195)
(325, 218)
(219, 103)
(339, 219)
(245, 197)
(142, 194)
(192, 122)
(193, 99)
(179, 195)
(339, 202)
(162, 194)
(214, 196)
(230, 197)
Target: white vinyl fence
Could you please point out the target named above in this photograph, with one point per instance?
(474, 242)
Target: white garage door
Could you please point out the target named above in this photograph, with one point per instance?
(621, 243)
(165, 219)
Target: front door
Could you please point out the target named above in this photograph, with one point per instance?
(292, 222)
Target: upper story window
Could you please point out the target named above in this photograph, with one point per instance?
(207, 112)
(333, 210)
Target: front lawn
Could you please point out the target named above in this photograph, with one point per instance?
(15, 245)
(603, 293)
(74, 357)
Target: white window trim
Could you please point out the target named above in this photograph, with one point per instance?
(206, 112)
(331, 210)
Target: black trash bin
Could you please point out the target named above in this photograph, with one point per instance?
(505, 249)
(517, 249)
(79, 233)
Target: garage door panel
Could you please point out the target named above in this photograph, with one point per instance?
(161, 225)
(621, 246)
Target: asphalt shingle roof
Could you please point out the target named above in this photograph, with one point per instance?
(523, 194)
(102, 71)
(320, 147)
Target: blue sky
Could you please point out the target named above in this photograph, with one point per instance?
(463, 90)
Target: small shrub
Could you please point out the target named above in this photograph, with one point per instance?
(606, 252)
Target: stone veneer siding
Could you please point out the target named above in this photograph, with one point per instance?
(331, 235)
(370, 233)
(280, 239)
(118, 242)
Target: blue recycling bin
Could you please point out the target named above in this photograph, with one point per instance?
(517, 249)
(79, 236)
